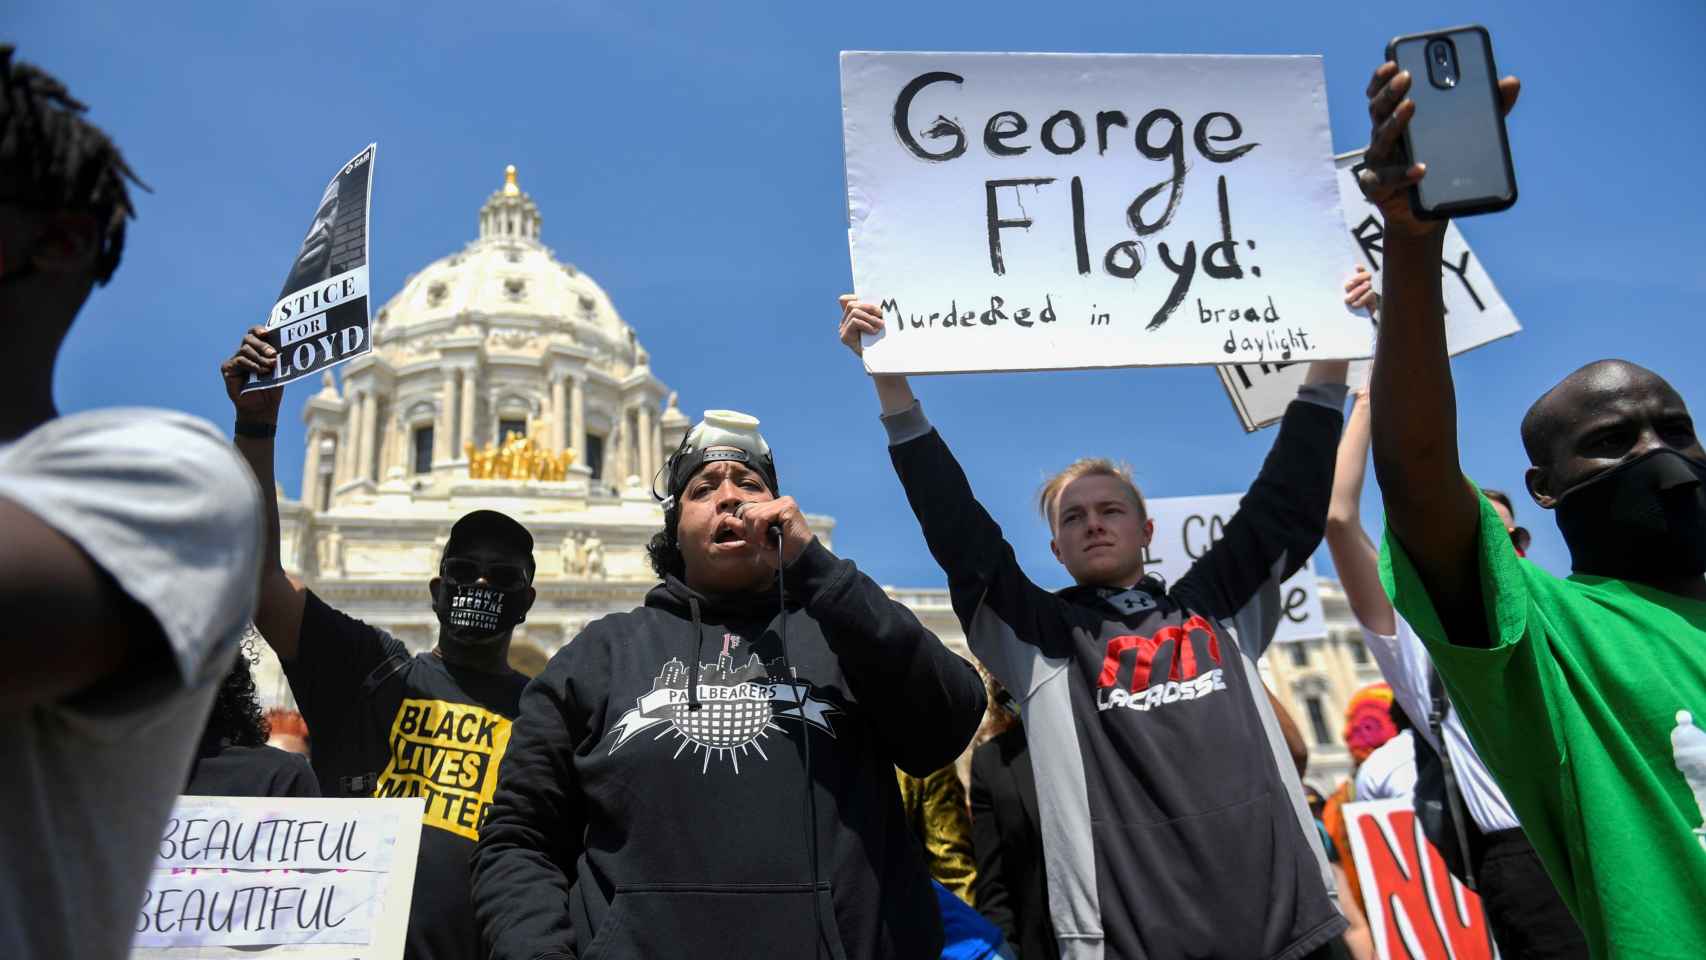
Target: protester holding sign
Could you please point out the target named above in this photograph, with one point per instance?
(1523, 908)
(386, 724)
(712, 775)
(1172, 818)
(1581, 694)
(127, 563)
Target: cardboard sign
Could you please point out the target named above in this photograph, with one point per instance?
(1185, 527)
(1416, 909)
(321, 318)
(1055, 211)
(300, 878)
(1475, 313)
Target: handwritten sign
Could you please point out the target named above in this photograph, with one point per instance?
(304, 878)
(1475, 313)
(1416, 909)
(1185, 527)
(321, 317)
(1052, 211)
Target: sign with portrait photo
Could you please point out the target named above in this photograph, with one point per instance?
(321, 317)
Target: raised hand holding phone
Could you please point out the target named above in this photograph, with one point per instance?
(1457, 145)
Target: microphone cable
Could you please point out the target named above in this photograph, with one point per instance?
(805, 742)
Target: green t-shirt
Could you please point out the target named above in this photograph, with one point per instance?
(1574, 709)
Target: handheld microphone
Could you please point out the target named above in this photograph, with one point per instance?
(775, 528)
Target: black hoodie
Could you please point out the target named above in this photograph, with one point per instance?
(641, 814)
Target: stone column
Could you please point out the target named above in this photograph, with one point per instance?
(647, 443)
(559, 414)
(444, 447)
(465, 433)
(369, 436)
(577, 418)
(311, 472)
(351, 438)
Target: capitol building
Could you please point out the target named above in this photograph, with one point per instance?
(504, 378)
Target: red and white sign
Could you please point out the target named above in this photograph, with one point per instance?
(1416, 909)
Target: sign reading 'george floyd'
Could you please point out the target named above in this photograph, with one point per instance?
(1050, 211)
(321, 318)
(1475, 313)
(1185, 528)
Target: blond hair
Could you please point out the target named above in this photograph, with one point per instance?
(1048, 499)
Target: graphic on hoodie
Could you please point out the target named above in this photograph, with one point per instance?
(738, 707)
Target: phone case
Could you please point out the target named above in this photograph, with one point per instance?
(1457, 130)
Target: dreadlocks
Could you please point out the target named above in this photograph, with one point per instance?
(51, 158)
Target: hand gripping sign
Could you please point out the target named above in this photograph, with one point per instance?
(1475, 313)
(321, 318)
(1051, 211)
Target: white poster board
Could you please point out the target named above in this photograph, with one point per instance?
(1185, 527)
(1416, 909)
(265, 877)
(1475, 313)
(1019, 211)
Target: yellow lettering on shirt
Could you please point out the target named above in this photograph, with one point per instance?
(449, 754)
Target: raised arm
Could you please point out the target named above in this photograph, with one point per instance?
(963, 538)
(1280, 520)
(1355, 556)
(1431, 509)
(278, 612)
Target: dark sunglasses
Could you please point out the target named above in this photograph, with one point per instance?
(502, 576)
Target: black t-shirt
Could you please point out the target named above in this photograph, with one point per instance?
(227, 771)
(385, 724)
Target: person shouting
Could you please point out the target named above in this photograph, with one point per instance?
(713, 773)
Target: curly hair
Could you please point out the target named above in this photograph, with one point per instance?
(237, 717)
(51, 158)
(664, 550)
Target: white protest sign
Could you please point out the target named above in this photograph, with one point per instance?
(1416, 909)
(321, 317)
(1185, 527)
(1475, 313)
(1052, 211)
(302, 878)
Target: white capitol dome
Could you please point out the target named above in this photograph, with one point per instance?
(509, 278)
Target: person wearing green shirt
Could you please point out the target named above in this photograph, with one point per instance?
(1582, 694)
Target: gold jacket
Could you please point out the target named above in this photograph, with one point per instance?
(936, 811)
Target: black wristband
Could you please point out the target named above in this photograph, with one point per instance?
(255, 429)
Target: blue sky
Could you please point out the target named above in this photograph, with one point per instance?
(688, 157)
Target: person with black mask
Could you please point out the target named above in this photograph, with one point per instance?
(386, 724)
(1581, 694)
(712, 774)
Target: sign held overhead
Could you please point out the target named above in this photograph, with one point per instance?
(1057, 211)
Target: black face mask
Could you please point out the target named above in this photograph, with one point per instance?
(1642, 520)
(473, 613)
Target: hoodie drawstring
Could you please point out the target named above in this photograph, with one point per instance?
(698, 647)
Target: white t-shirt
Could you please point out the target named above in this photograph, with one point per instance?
(1389, 772)
(165, 505)
(1404, 662)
